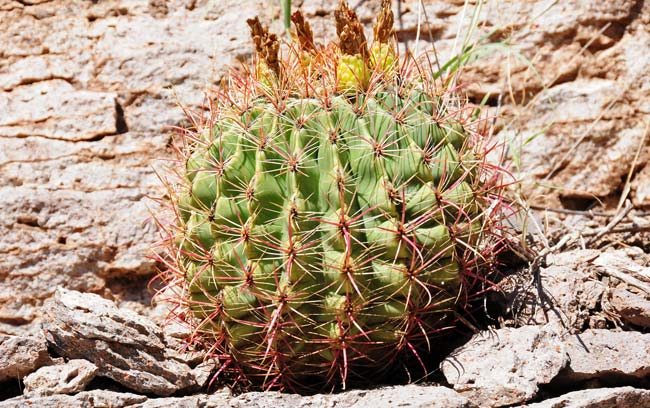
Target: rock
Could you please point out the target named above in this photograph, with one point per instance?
(505, 366)
(410, 396)
(629, 297)
(95, 399)
(576, 109)
(579, 101)
(203, 372)
(125, 346)
(103, 184)
(413, 396)
(631, 307)
(603, 354)
(217, 399)
(55, 110)
(619, 397)
(69, 378)
(407, 396)
(569, 297)
(20, 356)
(626, 265)
(574, 96)
(178, 402)
(266, 400)
(16, 71)
(90, 91)
(641, 186)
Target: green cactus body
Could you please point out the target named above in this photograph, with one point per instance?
(324, 234)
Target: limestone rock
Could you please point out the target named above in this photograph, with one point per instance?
(55, 110)
(604, 353)
(45, 181)
(204, 401)
(619, 397)
(95, 399)
(631, 307)
(265, 400)
(91, 90)
(69, 378)
(21, 355)
(571, 92)
(412, 396)
(567, 294)
(641, 186)
(505, 366)
(125, 346)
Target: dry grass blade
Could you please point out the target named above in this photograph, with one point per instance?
(628, 180)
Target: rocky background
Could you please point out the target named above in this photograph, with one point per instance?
(90, 92)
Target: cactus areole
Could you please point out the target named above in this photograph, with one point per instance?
(336, 208)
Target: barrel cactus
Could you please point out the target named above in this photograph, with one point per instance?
(336, 206)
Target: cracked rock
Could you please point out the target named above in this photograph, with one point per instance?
(505, 366)
(54, 109)
(410, 396)
(94, 399)
(568, 297)
(619, 397)
(631, 307)
(603, 353)
(125, 346)
(69, 378)
(21, 355)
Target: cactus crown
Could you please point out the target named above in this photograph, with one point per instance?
(335, 208)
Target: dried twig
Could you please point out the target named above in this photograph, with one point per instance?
(613, 223)
(586, 213)
(628, 180)
(625, 277)
(620, 229)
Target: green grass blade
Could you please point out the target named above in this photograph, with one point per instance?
(286, 15)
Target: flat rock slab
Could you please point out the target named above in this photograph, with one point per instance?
(86, 399)
(54, 109)
(69, 378)
(408, 396)
(602, 353)
(620, 397)
(125, 346)
(568, 297)
(506, 366)
(20, 355)
(631, 307)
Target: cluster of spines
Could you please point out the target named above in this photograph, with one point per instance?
(291, 289)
